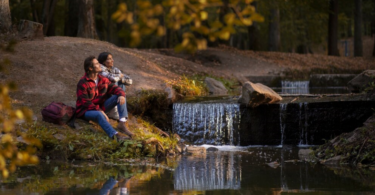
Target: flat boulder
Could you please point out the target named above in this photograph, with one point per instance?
(215, 87)
(361, 81)
(30, 30)
(196, 151)
(256, 94)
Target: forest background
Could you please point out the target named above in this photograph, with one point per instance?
(309, 26)
(330, 27)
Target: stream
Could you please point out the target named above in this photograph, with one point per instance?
(230, 170)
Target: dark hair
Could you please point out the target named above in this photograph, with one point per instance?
(103, 57)
(88, 63)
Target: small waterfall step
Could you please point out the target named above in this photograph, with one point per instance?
(297, 123)
(207, 122)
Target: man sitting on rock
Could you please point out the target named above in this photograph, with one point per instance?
(95, 95)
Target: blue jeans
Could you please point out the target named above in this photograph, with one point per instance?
(98, 117)
(107, 186)
(120, 84)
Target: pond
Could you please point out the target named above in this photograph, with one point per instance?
(230, 170)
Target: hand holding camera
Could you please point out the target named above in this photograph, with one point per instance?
(127, 81)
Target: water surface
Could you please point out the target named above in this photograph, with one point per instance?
(231, 170)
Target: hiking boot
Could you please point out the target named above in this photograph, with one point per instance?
(123, 129)
(118, 137)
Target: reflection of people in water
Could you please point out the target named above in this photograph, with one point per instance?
(109, 185)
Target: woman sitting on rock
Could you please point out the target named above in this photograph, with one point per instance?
(95, 95)
(115, 76)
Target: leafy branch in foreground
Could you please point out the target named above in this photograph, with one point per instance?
(198, 19)
(10, 155)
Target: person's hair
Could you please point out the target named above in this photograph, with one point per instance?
(103, 57)
(88, 63)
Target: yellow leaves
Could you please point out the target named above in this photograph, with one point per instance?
(122, 7)
(203, 15)
(247, 21)
(229, 18)
(160, 31)
(257, 17)
(202, 44)
(198, 16)
(158, 9)
(248, 10)
(19, 114)
(5, 173)
(129, 17)
(224, 35)
(2, 162)
(173, 10)
(6, 139)
(9, 154)
(121, 14)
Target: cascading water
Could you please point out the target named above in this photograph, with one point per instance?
(303, 123)
(207, 123)
(295, 87)
(283, 108)
(216, 172)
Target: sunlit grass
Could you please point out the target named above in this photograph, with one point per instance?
(196, 86)
(91, 143)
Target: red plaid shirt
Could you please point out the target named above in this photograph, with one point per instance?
(92, 97)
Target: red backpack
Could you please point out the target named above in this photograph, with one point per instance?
(58, 113)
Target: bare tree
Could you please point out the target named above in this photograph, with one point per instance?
(358, 51)
(333, 28)
(274, 30)
(373, 35)
(253, 33)
(34, 11)
(5, 19)
(86, 20)
(47, 16)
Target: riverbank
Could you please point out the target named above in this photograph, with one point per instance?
(48, 70)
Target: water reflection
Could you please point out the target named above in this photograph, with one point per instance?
(264, 170)
(216, 171)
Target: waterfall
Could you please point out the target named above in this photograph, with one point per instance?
(207, 123)
(295, 84)
(215, 172)
(295, 87)
(303, 123)
(283, 108)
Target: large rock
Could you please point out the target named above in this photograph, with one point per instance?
(330, 80)
(256, 94)
(215, 87)
(30, 30)
(196, 151)
(360, 82)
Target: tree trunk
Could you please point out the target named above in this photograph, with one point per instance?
(253, 33)
(34, 11)
(274, 30)
(358, 28)
(333, 28)
(109, 21)
(71, 24)
(5, 19)
(86, 20)
(373, 35)
(100, 24)
(47, 16)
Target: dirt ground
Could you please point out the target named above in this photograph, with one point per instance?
(48, 70)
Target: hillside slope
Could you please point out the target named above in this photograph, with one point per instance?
(48, 70)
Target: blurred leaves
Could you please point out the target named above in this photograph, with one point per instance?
(10, 155)
(197, 20)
